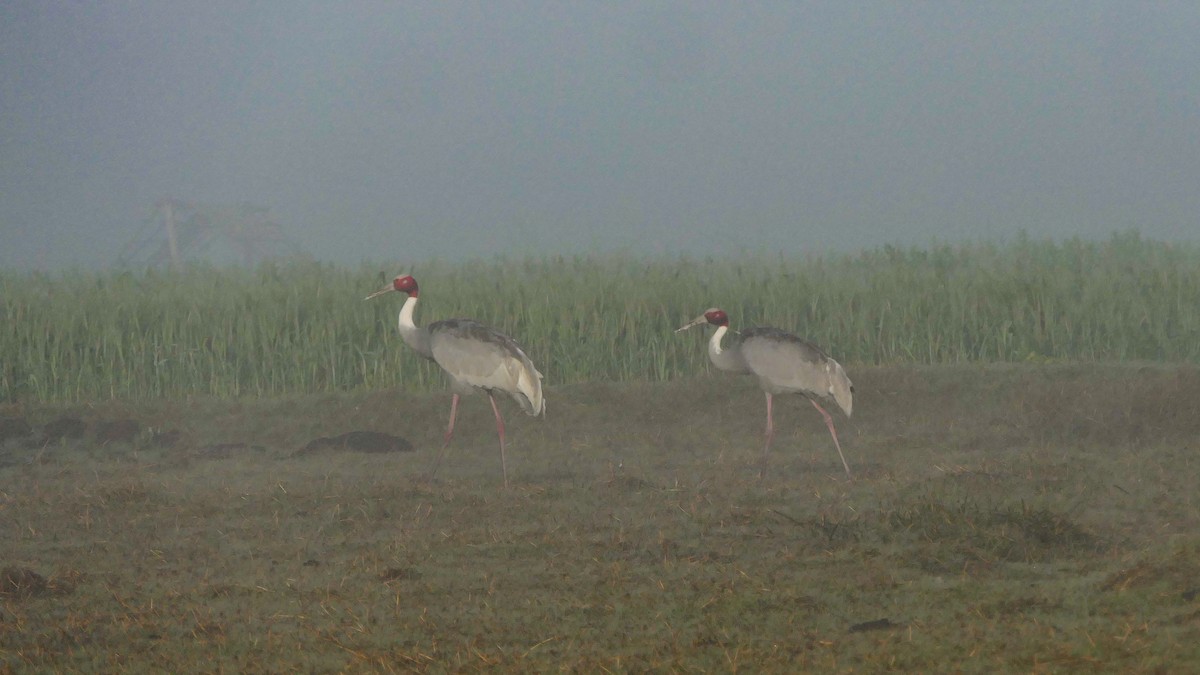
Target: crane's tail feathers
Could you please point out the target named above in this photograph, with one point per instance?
(529, 391)
(840, 387)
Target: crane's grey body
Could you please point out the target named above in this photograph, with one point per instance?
(784, 364)
(787, 364)
(480, 357)
(476, 357)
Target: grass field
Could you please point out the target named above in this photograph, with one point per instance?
(1027, 518)
(302, 328)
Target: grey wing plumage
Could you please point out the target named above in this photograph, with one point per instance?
(479, 356)
(786, 363)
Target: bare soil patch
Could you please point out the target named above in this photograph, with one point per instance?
(358, 441)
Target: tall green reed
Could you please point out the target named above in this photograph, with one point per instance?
(303, 327)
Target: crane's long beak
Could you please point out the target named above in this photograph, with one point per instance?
(380, 292)
(695, 322)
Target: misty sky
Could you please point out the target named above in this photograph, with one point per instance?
(404, 131)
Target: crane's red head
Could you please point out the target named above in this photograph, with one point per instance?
(716, 317)
(403, 283)
(406, 284)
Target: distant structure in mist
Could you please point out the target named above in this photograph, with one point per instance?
(178, 231)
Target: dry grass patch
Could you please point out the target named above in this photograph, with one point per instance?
(637, 535)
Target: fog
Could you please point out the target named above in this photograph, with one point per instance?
(406, 131)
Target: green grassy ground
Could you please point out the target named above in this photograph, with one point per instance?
(1003, 518)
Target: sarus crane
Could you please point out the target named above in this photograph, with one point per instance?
(783, 364)
(475, 356)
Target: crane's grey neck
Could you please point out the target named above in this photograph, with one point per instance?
(414, 335)
(724, 359)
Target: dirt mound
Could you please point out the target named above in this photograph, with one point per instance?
(64, 427)
(117, 431)
(14, 427)
(227, 450)
(399, 574)
(165, 438)
(360, 441)
(22, 582)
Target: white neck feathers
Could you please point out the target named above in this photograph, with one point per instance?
(415, 336)
(406, 314)
(721, 358)
(714, 343)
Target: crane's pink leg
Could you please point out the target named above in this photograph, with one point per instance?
(833, 432)
(770, 436)
(450, 429)
(446, 439)
(500, 432)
